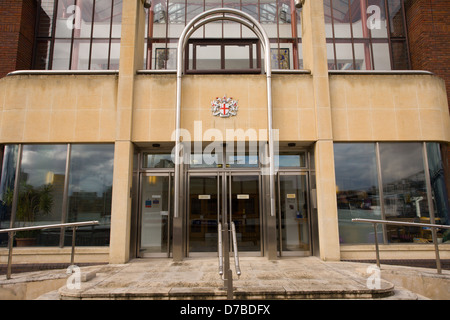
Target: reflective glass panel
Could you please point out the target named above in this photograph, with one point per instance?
(357, 191)
(90, 192)
(79, 23)
(203, 214)
(155, 214)
(290, 160)
(294, 213)
(245, 212)
(404, 190)
(438, 187)
(158, 161)
(41, 189)
(8, 176)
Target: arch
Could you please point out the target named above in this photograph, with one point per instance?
(197, 22)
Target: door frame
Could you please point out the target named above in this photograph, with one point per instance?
(187, 228)
(223, 204)
(168, 252)
(280, 251)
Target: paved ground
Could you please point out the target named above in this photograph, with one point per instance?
(286, 278)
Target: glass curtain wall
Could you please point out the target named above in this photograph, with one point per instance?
(366, 35)
(357, 190)
(8, 177)
(40, 199)
(90, 192)
(167, 18)
(387, 181)
(78, 35)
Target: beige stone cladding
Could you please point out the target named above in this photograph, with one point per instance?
(400, 107)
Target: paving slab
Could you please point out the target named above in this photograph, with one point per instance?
(287, 278)
(198, 278)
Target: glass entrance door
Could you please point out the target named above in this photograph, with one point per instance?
(293, 214)
(245, 213)
(208, 199)
(155, 215)
(204, 209)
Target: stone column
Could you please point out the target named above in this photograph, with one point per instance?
(315, 59)
(131, 59)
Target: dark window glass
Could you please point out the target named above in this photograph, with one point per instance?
(362, 37)
(357, 191)
(158, 161)
(41, 190)
(81, 35)
(166, 20)
(438, 187)
(8, 176)
(90, 192)
(404, 190)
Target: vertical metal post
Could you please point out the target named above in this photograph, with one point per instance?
(228, 279)
(436, 250)
(72, 255)
(380, 190)
(65, 196)
(10, 251)
(377, 250)
(220, 248)
(229, 284)
(431, 205)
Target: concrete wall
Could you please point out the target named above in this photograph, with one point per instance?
(83, 108)
(155, 105)
(52, 109)
(389, 108)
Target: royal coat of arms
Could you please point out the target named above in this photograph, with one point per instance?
(224, 107)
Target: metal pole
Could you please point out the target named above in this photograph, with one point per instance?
(436, 250)
(72, 256)
(65, 196)
(10, 250)
(376, 245)
(431, 205)
(220, 248)
(235, 250)
(228, 279)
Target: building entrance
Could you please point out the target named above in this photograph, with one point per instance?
(210, 195)
(231, 187)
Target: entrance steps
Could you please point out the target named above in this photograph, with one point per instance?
(286, 278)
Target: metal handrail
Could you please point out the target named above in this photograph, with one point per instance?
(410, 224)
(12, 231)
(220, 249)
(235, 249)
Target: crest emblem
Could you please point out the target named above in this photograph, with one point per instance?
(224, 107)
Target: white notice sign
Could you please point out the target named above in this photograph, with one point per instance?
(291, 196)
(204, 196)
(243, 196)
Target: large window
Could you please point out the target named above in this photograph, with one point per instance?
(41, 198)
(78, 35)
(388, 181)
(366, 35)
(357, 190)
(166, 20)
